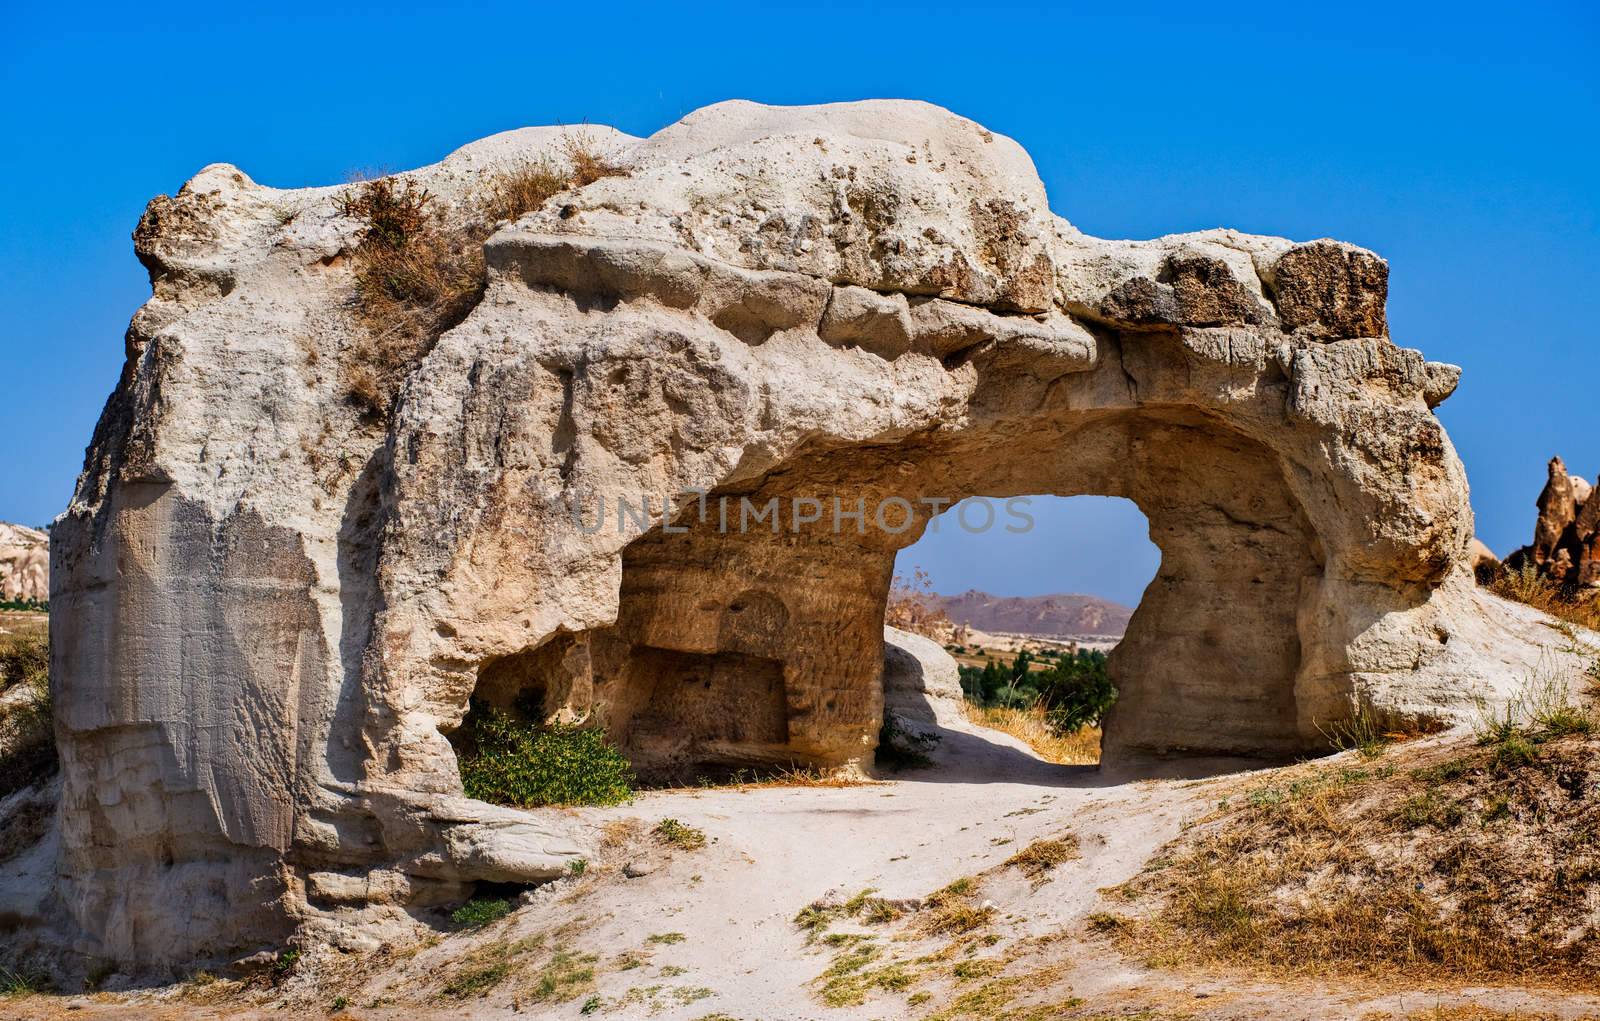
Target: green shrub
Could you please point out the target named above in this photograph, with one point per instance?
(1075, 690)
(509, 761)
(17, 983)
(286, 962)
(1564, 721)
(480, 911)
(671, 831)
(1514, 751)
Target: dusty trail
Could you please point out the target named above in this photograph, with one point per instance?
(710, 933)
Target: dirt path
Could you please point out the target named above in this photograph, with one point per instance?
(710, 932)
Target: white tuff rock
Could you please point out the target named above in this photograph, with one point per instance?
(271, 605)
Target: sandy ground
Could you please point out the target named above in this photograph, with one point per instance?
(710, 932)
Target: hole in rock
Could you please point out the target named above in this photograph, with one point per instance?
(749, 636)
(1030, 596)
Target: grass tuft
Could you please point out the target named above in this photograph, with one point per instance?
(17, 983)
(480, 911)
(671, 831)
(1032, 727)
(564, 976)
(950, 911)
(1037, 859)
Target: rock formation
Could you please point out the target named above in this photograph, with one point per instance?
(274, 597)
(921, 681)
(24, 564)
(1482, 560)
(1566, 534)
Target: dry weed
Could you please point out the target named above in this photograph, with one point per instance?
(419, 272)
(1032, 727)
(1463, 866)
(1037, 859)
(1580, 607)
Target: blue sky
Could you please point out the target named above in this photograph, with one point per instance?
(1460, 141)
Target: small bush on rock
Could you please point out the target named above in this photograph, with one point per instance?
(420, 272)
(480, 911)
(509, 761)
(671, 831)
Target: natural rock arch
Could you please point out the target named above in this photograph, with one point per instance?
(270, 605)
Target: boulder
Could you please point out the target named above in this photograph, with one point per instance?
(651, 472)
(921, 681)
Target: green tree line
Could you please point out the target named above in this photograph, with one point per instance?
(1074, 690)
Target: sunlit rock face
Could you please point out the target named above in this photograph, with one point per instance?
(24, 564)
(272, 606)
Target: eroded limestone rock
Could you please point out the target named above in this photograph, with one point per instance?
(272, 606)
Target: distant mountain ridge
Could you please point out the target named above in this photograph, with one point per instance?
(1056, 614)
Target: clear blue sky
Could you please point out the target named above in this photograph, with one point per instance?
(1461, 141)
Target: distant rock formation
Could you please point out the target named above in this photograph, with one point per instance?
(1566, 534)
(24, 564)
(1058, 615)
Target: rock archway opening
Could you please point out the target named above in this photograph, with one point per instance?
(1030, 597)
(749, 624)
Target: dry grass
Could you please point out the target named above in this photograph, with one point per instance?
(1032, 727)
(23, 624)
(951, 911)
(848, 981)
(817, 917)
(1466, 865)
(1526, 586)
(24, 828)
(748, 779)
(27, 740)
(1466, 1012)
(415, 278)
(523, 190)
(1037, 859)
(419, 272)
(911, 606)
